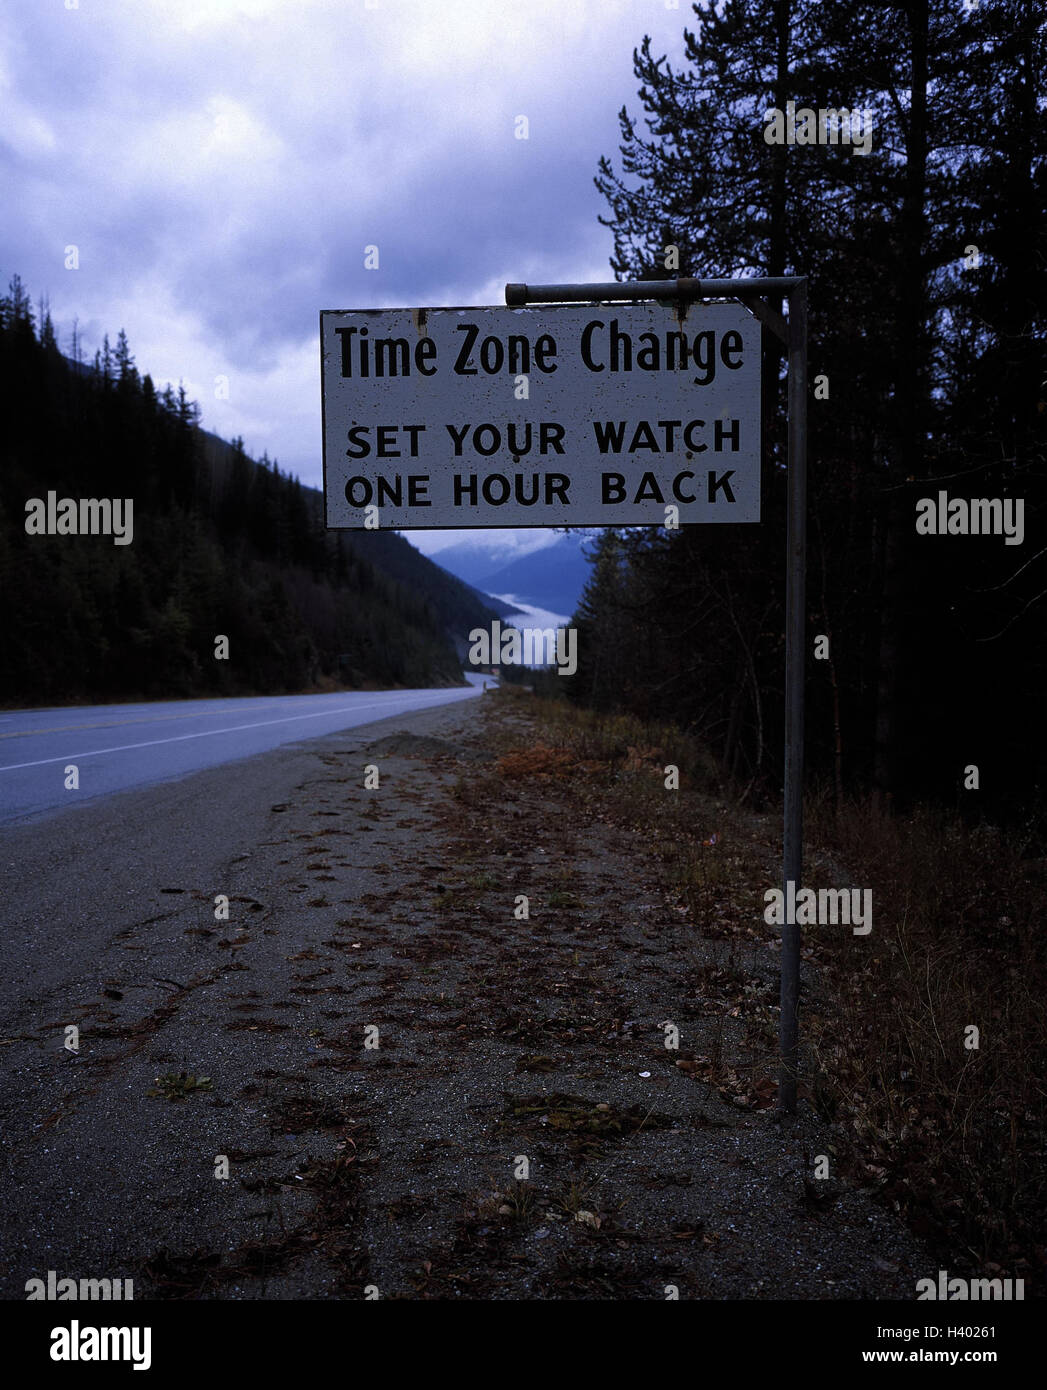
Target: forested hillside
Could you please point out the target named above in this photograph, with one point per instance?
(927, 259)
(222, 545)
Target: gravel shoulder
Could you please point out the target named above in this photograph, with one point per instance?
(415, 1088)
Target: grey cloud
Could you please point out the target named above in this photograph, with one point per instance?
(241, 168)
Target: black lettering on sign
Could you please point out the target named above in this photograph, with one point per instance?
(497, 489)
(514, 355)
(612, 488)
(715, 484)
(650, 489)
(385, 438)
(611, 436)
(461, 362)
(487, 439)
(360, 491)
(606, 347)
(720, 432)
(383, 357)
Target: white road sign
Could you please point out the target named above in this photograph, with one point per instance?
(559, 415)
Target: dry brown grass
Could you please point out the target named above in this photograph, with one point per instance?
(955, 1135)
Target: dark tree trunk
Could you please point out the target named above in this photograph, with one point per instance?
(910, 396)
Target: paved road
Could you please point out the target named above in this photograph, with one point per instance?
(115, 747)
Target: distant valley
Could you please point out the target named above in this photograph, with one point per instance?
(551, 578)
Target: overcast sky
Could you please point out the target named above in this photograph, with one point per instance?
(220, 166)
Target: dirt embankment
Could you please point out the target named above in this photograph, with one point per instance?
(421, 1089)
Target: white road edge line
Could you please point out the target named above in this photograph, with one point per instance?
(204, 733)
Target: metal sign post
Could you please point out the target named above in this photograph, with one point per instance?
(793, 333)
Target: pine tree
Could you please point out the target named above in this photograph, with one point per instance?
(16, 308)
(127, 373)
(187, 411)
(933, 368)
(48, 339)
